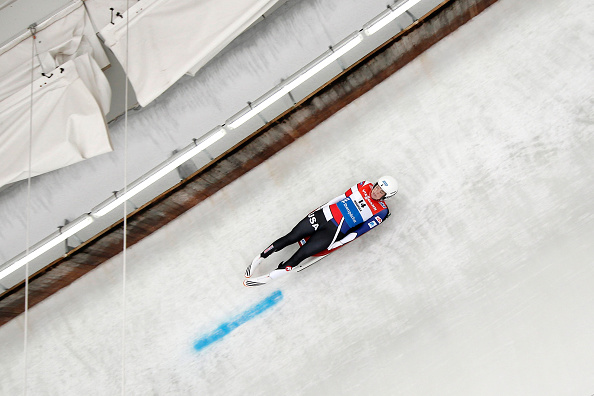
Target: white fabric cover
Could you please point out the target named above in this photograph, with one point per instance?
(68, 121)
(68, 107)
(65, 36)
(100, 12)
(171, 37)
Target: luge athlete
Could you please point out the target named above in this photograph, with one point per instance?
(332, 225)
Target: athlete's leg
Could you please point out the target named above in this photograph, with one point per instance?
(315, 244)
(319, 240)
(306, 227)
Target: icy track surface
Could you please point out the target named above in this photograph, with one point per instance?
(479, 284)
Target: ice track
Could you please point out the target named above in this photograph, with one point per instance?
(480, 283)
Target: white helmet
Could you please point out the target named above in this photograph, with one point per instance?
(389, 185)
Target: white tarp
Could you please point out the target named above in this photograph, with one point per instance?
(103, 12)
(63, 37)
(68, 121)
(169, 38)
(69, 102)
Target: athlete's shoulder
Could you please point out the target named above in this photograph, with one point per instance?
(356, 188)
(359, 187)
(364, 183)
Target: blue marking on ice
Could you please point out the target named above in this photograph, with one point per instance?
(228, 327)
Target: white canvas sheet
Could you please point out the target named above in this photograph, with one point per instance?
(68, 121)
(169, 38)
(61, 38)
(68, 106)
(101, 14)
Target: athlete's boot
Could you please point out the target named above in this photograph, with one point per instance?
(257, 281)
(252, 267)
(264, 279)
(277, 273)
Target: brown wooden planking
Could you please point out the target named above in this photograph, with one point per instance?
(273, 137)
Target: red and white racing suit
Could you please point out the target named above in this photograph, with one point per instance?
(355, 211)
(334, 224)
